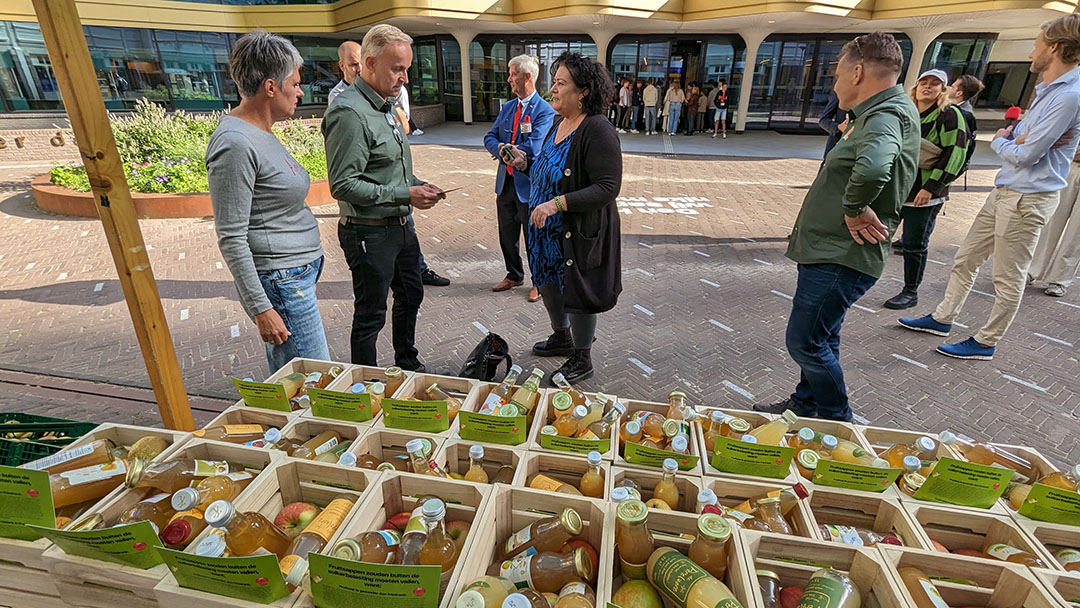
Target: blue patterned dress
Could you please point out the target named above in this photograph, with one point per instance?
(545, 244)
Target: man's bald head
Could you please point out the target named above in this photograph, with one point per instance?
(349, 60)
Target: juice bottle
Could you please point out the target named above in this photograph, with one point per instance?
(212, 546)
(421, 464)
(1068, 558)
(334, 455)
(911, 464)
(314, 537)
(183, 528)
(364, 461)
(476, 472)
(804, 439)
(652, 424)
(1065, 480)
(630, 431)
(485, 592)
(569, 423)
(576, 396)
(561, 403)
(377, 390)
(86, 483)
(620, 494)
(395, 377)
(412, 540)
(378, 547)
(439, 549)
(500, 395)
(709, 550)
(772, 432)
(827, 445)
(99, 451)
(789, 497)
(705, 498)
(217, 487)
(172, 475)
(293, 383)
(576, 595)
(435, 393)
(276, 441)
(592, 482)
(246, 532)
(546, 572)
(666, 490)
(910, 483)
(677, 408)
(526, 598)
(602, 428)
(323, 442)
(543, 482)
(526, 396)
(806, 461)
(649, 442)
(686, 584)
(923, 447)
(987, 454)
(832, 588)
(680, 444)
(851, 535)
(717, 420)
(851, 452)
(232, 433)
(633, 540)
(1008, 553)
(505, 475)
(596, 409)
(155, 509)
(737, 428)
(545, 535)
(921, 588)
(674, 427)
(768, 512)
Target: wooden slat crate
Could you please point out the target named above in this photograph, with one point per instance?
(794, 559)
(242, 414)
(881, 514)
(113, 584)
(632, 406)
(970, 581)
(646, 479)
(545, 414)
(1063, 587)
(512, 509)
(385, 444)
(678, 530)
(305, 366)
(1049, 537)
(453, 456)
(285, 482)
(732, 491)
(755, 419)
(303, 429)
(881, 439)
(359, 373)
(1040, 463)
(841, 430)
(396, 493)
(564, 468)
(973, 530)
(476, 398)
(414, 386)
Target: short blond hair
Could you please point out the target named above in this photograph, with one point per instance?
(942, 100)
(380, 37)
(1064, 32)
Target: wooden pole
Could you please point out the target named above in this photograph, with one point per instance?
(74, 70)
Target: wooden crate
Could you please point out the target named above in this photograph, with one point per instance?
(117, 583)
(732, 491)
(1063, 588)
(1040, 463)
(300, 365)
(512, 509)
(544, 414)
(695, 444)
(242, 414)
(283, 483)
(881, 514)
(688, 485)
(678, 530)
(755, 419)
(1047, 536)
(397, 493)
(475, 400)
(352, 375)
(303, 429)
(972, 581)
(17, 598)
(453, 456)
(881, 439)
(974, 530)
(387, 443)
(414, 386)
(794, 559)
(841, 430)
(568, 469)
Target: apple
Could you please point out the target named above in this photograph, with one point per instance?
(637, 594)
(294, 517)
(459, 531)
(400, 520)
(658, 503)
(892, 540)
(790, 597)
(939, 547)
(574, 543)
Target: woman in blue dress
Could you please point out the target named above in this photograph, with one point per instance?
(573, 237)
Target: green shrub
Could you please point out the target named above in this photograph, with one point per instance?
(164, 152)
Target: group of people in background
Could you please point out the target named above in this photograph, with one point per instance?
(644, 106)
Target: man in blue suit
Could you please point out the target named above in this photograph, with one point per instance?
(524, 121)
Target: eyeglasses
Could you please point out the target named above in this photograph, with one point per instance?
(858, 46)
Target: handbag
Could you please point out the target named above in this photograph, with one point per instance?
(483, 362)
(929, 153)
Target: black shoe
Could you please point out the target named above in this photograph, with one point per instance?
(430, 278)
(781, 407)
(419, 368)
(578, 367)
(558, 344)
(902, 300)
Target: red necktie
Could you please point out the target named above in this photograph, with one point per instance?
(513, 134)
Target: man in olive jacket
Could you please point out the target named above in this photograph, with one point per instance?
(842, 234)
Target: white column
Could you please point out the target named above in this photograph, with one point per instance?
(921, 39)
(602, 38)
(753, 39)
(464, 40)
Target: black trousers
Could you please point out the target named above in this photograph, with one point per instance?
(513, 220)
(383, 259)
(919, 223)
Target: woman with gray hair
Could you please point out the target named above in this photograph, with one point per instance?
(268, 236)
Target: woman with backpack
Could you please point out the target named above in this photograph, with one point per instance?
(942, 158)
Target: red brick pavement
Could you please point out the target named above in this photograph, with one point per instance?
(703, 307)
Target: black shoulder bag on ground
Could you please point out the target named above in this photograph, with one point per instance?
(483, 362)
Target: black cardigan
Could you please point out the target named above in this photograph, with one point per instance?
(592, 241)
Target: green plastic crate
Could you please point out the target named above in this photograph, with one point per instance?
(14, 452)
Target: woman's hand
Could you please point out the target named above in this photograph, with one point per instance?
(272, 329)
(922, 198)
(542, 212)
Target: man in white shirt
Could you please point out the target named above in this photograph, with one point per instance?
(349, 64)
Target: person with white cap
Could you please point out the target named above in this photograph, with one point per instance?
(942, 159)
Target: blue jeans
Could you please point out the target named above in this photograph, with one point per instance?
(673, 117)
(824, 294)
(292, 294)
(635, 113)
(650, 119)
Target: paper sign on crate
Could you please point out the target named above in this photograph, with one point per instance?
(342, 583)
(745, 458)
(635, 453)
(854, 477)
(964, 483)
(493, 429)
(265, 395)
(127, 545)
(423, 416)
(350, 407)
(1054, 505)
(253, 578)
(573, 444)
(25, 498)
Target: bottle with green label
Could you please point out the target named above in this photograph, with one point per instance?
(686, 584)
(829, 588)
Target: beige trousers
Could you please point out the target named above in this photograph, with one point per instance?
(1008, 227)
(1057, 257)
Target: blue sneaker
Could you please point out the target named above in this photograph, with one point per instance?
(968, 349)
(926, 324)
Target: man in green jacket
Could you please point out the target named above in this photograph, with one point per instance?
(842, 234)
(371, 176)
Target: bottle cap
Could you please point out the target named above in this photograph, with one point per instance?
(358, 388)
(806, 434)
(717, 417)
(633, 427)
(509, 410)
(768, 500)
(1076, 471)
(789, 417)
(471, 599)
(580, 412)
(914, 480)
(912, 464)
(249, 379)
(690, 416)
(594, 458)
(347, 459)
(272, 435)
(547, 429)
(738, 425)
(134, 472)
(583, 564)
(880, 463)
(706, 497)
(347, 548)
(431, 389)
(829, 442)
(670, 465)
(414, 445)
(516, 600)
(680, 443)
(562, 401)
(185, 498)
(558, 379)
(176, 532)
(428, 447)
(619, 407)
(767, 574)
(476, 451)
(925, 444)
(679, 394)
(714, 527)
(296, 574)
(800, 491)
(515, 368)
(382, 466)
(571, 521)
(808, 459)
(304, 401)
(393, 371)
(376, 388)
(434, 509)
(947, 437)
(211, 546)
(748, 438)
(219, 513)
(671, 427)
(620, 494)
(632, 511)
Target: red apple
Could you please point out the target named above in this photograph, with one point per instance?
(574, 543)
(400, 520)
(388, 526)
(294, 517)
(459, 531)
(891, 540)
(790, 596)
(939, 547)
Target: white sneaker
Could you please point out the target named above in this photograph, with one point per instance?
(714, 135)
(621, 130)
(634, 131)
(725, 135)
(418, 132)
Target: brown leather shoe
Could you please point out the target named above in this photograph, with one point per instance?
(534, 295)
(505, 284)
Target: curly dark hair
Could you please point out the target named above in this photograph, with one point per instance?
(589, 76)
